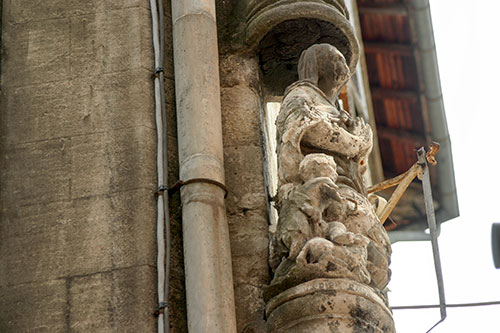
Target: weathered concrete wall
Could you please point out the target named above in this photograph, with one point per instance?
(246, 202)
(78, 147)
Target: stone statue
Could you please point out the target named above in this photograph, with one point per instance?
(327, 228)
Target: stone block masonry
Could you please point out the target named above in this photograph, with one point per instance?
(246, 202)
(77, 167)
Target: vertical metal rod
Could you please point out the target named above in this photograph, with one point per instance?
(431, 221)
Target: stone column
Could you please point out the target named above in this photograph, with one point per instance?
(246, 203)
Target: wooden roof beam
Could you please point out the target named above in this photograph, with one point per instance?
(386, 48)
(394, 9)
(393, 93)
(399, 134)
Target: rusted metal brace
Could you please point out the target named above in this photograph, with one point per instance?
(403, 181)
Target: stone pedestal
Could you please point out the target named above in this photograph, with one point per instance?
(329, 305)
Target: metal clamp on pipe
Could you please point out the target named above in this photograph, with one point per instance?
(161, 189)
(177, 186)
(157, 72)
(181, 183)
(161, 309)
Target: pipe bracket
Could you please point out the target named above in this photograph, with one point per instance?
(161, 309)
(157, 72)
(176, 187)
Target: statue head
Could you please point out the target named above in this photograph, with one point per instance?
(318, 165)
(326, 67)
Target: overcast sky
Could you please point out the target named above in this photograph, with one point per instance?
(467, 42)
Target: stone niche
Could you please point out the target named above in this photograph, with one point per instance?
(329, 252)
(279, 30)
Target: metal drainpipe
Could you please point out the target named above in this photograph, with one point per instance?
(207, 257)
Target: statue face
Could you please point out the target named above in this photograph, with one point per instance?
(333, 71)
(341, 70)
(325, 65)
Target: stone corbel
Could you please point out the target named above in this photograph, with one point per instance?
(279, 30)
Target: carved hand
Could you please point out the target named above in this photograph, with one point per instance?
(364, 132)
